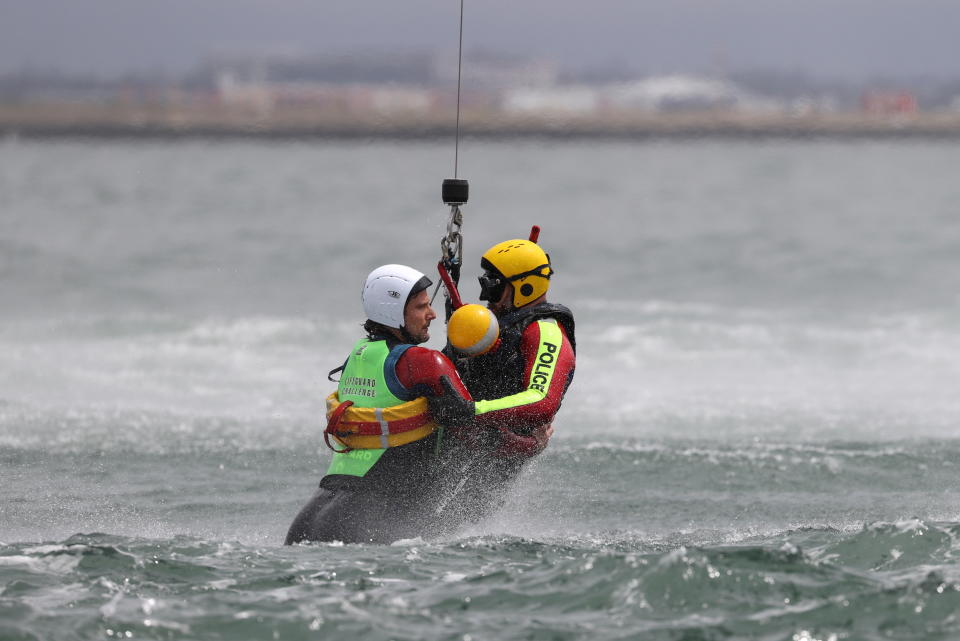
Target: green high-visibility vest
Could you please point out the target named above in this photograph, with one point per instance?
(363, 381)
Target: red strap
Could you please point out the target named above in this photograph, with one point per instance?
(450, 285)
(332, 424)
(397, 426)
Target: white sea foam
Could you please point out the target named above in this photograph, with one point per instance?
(752, 370)
(54, 563)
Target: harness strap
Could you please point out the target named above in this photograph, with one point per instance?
(536, 271)
(334, 371)
(332, 423)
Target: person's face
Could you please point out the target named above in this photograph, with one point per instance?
(417, 316)
(505, 302)
(490, 283)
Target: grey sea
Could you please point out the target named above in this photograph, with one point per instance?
(761, 441)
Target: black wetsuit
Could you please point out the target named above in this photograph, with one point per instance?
(392, 501)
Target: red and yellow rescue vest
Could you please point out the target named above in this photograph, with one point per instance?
(368, 428)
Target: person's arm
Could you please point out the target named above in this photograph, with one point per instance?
(425, 372)
(524, 419)
(419, 370)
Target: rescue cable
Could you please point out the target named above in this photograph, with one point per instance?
(455, 192)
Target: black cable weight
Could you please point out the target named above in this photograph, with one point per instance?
(455, 191)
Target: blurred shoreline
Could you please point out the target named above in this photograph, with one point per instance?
(55, 120)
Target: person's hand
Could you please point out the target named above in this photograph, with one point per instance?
(515, 446)
(450, 409)
(543, 434)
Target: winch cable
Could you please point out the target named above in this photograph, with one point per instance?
(456, 141)
(455, 192)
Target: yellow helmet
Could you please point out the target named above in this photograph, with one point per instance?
(519, 262)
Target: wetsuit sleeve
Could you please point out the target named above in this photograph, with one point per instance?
(419, 370)
(549, 363)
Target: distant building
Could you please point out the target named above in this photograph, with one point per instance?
(811, 105)
(685, 93)
(570, 100)
(266, 97)
(889, 103)
(658, 94)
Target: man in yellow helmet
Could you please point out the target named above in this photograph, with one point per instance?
(518, 386)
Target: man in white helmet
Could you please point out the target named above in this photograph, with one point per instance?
(383, 481)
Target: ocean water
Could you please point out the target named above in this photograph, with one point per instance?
(761, 441)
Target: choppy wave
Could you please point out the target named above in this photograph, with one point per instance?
(899, 579)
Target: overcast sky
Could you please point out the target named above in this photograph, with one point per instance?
(832, 38)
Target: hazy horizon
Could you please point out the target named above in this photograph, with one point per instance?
(843, 38)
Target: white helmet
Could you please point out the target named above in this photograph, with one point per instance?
(387, 290)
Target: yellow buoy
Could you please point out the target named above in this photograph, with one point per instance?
(473, 330)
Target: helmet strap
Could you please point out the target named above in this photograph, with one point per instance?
(536, 271)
